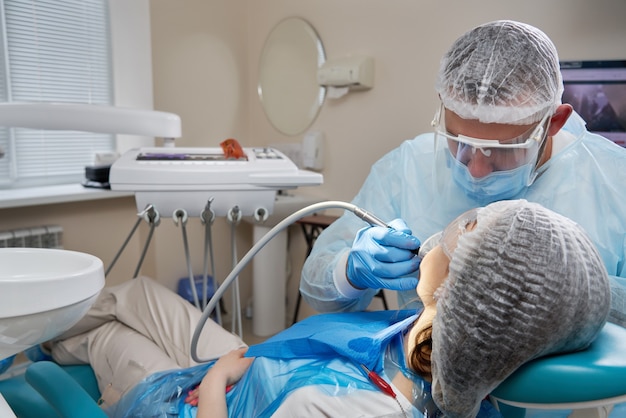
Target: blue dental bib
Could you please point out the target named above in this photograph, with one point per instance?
(359, 336)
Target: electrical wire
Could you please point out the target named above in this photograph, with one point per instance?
(208, 255)
(236, 298)
(132, 231)
(152, 216)
(181, 216)
(145, 250)
(207, 217)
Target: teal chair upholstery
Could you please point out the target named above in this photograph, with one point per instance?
(66, 396)
(27, 402)
(589, 382)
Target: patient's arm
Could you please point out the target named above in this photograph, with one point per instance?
(211, 392)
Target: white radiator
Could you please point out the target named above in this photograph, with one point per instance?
(48, 236)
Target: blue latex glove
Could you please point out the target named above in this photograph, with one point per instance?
(382, 258)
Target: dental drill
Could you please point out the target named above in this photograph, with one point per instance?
(375, 221)
(208, 310)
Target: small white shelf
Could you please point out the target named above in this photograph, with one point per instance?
(33, 196)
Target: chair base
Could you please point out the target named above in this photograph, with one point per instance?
(601, 412)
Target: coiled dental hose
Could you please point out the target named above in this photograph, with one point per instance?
(208, 310)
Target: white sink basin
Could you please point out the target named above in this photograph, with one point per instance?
(43, 292)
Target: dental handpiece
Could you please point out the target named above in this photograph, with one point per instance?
(375, 221)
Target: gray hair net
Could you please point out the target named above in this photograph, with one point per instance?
(526, 282)
(501, 72)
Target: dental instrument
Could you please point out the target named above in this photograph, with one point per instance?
(379, 381)
(234, 217)
(180, 216)
(376, 221)
(381, 384)
(208, 310)
(207, 217)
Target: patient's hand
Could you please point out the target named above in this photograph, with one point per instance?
(229, 368)
(225, 372)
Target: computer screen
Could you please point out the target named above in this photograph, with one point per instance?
(597, 91)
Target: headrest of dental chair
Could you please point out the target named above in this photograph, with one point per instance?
(62, 392)
(590, 375)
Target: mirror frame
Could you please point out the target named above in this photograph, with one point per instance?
(287, 86)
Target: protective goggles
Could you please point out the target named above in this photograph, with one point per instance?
(449, 237)
(504, 154)
(462, 224)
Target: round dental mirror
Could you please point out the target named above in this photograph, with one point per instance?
(288, 88)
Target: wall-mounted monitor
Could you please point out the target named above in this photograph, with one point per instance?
(597, 91)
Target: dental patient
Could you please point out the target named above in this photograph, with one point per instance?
(503, 285)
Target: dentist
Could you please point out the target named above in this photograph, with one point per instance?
(499, 133)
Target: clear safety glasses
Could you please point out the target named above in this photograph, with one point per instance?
(504, 154)
(449, 237)
(462, 224)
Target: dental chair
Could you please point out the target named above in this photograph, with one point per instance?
(63, 391)
(589, 382)
(48, 390)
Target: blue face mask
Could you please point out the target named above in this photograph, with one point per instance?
(498, 185)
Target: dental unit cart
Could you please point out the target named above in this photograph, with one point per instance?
(174, 178)
(205, 183)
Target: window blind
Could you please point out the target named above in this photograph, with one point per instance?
(53, 51)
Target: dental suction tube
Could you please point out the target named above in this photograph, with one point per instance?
(208, 310)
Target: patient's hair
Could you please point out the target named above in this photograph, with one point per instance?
(419, 358)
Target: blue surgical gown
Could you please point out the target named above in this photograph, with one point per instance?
(585, 181)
